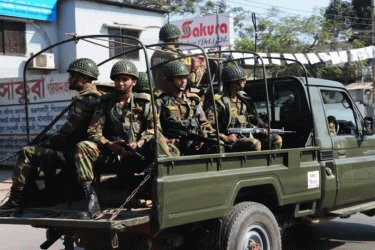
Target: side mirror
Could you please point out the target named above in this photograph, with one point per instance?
(368, 125)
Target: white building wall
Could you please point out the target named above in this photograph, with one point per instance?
(83, 18)
(39, 35)
(90, 19)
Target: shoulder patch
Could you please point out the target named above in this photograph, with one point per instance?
(144, 96)
(193, 96)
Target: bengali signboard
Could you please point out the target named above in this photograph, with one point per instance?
(32, 9)
(208, 31)
(48, 95)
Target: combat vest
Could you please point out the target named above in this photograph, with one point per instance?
(242, 119)
(130, 125)
(168, 120)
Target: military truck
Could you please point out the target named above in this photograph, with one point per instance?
(231, 200)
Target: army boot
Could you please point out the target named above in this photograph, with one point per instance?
(15, 200)
(92, 203)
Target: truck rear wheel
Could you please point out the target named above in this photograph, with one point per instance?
(250, 222)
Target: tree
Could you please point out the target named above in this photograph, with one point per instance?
(302, 35)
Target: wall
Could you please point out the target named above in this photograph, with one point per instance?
(39, 34)
(90, 18)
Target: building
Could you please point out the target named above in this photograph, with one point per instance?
(43, 23)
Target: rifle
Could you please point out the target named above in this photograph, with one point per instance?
(39, 138)
(249, 132)
(186, 136)
(127, 146)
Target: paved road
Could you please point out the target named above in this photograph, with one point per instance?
(357, 232)
(15, 237)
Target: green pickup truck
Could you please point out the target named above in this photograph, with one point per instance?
(232, 200)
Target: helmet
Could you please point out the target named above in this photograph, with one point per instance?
(142, 84)
(84, 66)
(124, 67)
(169, 31)
(175, 68)
(233, 73)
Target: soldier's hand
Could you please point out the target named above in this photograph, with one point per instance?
(117, 148)
(231, 138)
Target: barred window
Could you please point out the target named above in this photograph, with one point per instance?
(12, 38)
(119, 45)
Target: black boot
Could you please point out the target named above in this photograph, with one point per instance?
(92, 203)
(15, 200)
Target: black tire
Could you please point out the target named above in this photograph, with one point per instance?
(250, 222)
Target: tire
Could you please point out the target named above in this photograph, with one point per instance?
(250, 222)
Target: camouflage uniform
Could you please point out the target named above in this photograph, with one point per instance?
(55, 152)
(185, 114)
(237, 115)
(196, 66)
(132, 122)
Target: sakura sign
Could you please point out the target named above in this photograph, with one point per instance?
(206, 31)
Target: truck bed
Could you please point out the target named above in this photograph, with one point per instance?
(63, 216)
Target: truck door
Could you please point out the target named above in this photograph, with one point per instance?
(353, 150)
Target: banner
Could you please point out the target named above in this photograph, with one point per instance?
(207, 31)
(48, 95)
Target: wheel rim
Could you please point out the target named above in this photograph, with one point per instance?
(257, 234)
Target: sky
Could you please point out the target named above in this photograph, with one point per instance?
(289, 7)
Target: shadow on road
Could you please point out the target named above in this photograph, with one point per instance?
(327, 236)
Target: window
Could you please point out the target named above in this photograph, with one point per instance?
(12, 38)
(119, 45)
(340, 112)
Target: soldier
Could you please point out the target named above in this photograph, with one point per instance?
(332, 124)
(233, 111)
(142, 85)
(55, 150)
(180, 110)
(197, 66)
(123, 126)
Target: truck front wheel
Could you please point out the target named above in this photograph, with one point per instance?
(250, 222)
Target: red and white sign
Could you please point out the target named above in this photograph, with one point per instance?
(208, 31)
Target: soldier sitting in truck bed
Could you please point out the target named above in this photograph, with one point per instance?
(181, 112)
(54, 151)
(234, 111)
(124, 126)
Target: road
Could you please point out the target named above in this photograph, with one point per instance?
(357, 232)
(15, 237)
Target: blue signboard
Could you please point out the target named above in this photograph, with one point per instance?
(32, 9)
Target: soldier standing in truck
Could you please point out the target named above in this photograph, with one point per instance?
(59, 147)
(234, 111)
(197, 66)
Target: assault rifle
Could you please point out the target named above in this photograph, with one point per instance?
(127, 147)
(186, 136)
(249, 132)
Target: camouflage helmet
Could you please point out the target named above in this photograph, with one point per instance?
(233, 73)
(169, 31)
(175, 68)
(124, 67)
(84, 66)
(142, 83)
